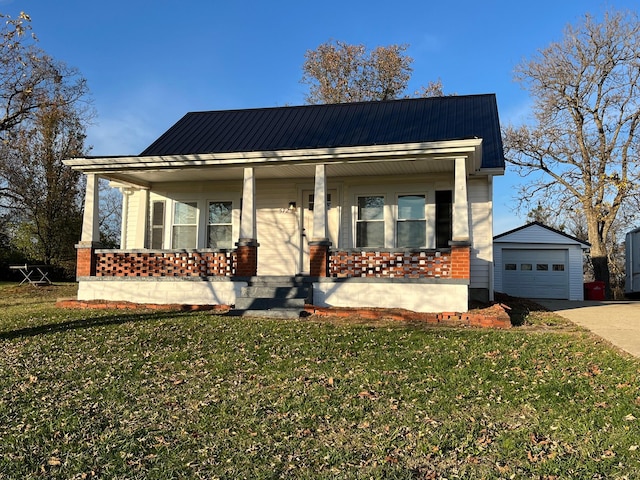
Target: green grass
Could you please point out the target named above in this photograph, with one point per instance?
(155, 395)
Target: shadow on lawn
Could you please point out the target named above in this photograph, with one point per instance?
(87, 323)
(520, 309)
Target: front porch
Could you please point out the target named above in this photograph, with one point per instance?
(426, 280)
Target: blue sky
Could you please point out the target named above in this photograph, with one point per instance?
(148, 62)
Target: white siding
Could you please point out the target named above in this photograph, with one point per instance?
(134, 232)
(536, 234)
(576, 274)
(481, 221)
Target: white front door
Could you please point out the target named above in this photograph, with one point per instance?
(306, 230)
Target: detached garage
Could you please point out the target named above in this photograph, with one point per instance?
(536, 261)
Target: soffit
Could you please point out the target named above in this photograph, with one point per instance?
(411, 167)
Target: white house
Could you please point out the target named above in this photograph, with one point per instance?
(226, 201)
(536, 261)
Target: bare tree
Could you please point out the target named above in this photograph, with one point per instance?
(43, 195)
(581, 151)
(28, 75)
(43, 114)
(339, 73)
(433, 89)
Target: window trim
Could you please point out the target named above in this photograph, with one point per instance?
(153, 226)
(174, 224)
(357, 221)
(208, 224)
(397, 219)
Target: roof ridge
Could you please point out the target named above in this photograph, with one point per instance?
(345, 104)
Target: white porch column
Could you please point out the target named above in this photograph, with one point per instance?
(248, 215)
(320, 221)
(125, 217)
(247, 251)
(460, 203)
(90, 219)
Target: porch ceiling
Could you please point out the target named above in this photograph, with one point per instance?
(411, 167)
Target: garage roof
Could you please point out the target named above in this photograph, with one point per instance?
(537, 232)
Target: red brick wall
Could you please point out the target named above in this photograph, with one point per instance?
(85, 266)
(423, 264)
(319, 260)
(247, 265)
(461, 262)
(165, 264)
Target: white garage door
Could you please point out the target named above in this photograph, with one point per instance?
(536, 273)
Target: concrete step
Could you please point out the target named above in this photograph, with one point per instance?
(259, 291)
(273, 297)
(252, 303)
(278, 313)
(278, 281)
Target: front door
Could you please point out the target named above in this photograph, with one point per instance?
(306, 232)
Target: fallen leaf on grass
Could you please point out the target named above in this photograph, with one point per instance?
(367, 394)
(608, 454)
(630, 418)
(54, 462)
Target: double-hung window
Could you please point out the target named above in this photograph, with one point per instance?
(220, 225)
(370, 221)
(411, 223)
(185, 225)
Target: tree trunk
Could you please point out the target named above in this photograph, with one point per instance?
(599, 258)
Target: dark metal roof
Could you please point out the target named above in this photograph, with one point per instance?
(338, 125)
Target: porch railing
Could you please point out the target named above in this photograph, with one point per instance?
(390, 264)
(162, 263)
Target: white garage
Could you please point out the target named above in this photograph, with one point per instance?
(536, 261)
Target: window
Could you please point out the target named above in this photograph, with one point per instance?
(526, 267)
(558, 267)
(157, 225)
(370, 222)
(411, 225)
(185, 228)
(311, 202)
(542, 267)
(510, 266)
(220, 226)
(444, 222)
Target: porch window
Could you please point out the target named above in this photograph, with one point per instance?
(411, 225)
(157, 225)
(220, 225)
(185, 226)
(370, 222)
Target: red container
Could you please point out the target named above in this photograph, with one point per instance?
(594, 290)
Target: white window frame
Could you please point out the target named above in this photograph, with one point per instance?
(396, 217)
(197, 224)
(162, 227)
(385, 220)
(232, 223)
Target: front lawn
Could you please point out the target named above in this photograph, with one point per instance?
(158, 395)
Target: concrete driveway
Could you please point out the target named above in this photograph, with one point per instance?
(615, 321)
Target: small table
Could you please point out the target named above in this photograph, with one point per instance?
(36, 275)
